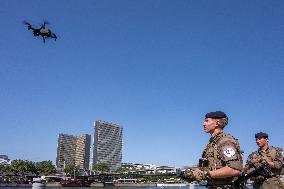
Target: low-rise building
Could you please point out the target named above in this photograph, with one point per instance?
(5, 160)
(165, 170)
(139, 168)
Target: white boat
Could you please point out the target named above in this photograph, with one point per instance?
(172, 183)
(38, 183)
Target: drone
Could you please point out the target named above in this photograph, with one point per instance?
(44, 32)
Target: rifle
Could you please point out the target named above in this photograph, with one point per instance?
(263, 170)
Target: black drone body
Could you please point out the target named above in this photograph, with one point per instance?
(44, 32)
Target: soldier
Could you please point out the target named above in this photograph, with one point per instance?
(221, 161)
(266, 156)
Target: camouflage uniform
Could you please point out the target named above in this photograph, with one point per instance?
(222, 150)
(273, 154)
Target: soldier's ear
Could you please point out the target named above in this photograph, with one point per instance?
(218, 122)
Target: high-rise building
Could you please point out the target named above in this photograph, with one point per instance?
(73, 149)
(107, 144)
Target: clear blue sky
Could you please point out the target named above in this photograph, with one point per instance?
(154, 66)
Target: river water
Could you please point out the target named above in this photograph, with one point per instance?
(129, 187)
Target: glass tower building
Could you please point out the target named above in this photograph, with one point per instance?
(107, 144)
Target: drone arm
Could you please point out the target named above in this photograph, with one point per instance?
(54, 36)
(28, 24)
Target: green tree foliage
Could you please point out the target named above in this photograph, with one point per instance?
(122, 170)
(5, 168)
(101, 168)
(23, 166)
(45, 168)
(71, 169)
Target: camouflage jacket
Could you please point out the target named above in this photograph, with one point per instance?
(273, 154)
(223, 150)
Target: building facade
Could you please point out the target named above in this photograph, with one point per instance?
(107, 144)
(73, 149)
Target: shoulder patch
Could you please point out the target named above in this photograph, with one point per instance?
(229, 152)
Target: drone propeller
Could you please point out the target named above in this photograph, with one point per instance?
(57, 37)
(46, 22)
(26, 23)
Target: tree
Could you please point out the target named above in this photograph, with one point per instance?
(45, 167)
(71, 169)
(23, 166)
(101, 168)
(122, 170)
(5, 168)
